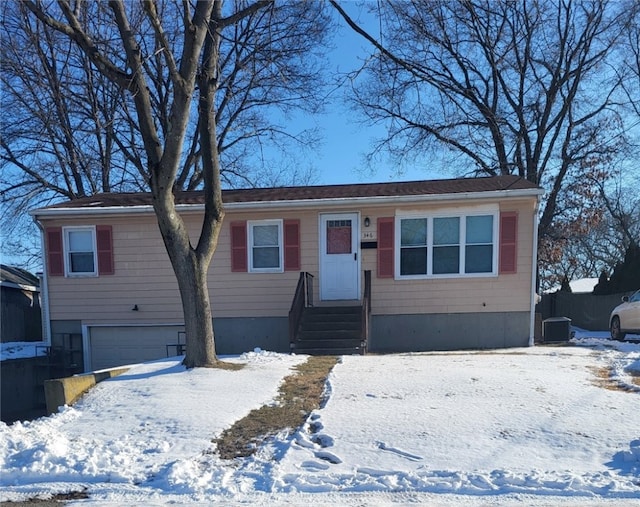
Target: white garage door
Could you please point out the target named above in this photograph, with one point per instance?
(117, 346)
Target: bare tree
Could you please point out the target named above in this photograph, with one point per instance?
(74, 132)
(608, 224)
(167, 59)
(524, 88)
(59, 139)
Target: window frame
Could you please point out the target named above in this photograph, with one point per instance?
(66, 245)
(250, 246)
(462, 215)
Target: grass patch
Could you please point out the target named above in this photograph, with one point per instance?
(604, 379)
(229, 366)
(299, 395)
(57, 499)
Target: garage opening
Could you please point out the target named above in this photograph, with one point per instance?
(112, 346)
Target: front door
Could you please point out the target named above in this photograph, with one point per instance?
(339, 256)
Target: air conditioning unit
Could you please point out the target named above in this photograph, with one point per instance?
(556, 329)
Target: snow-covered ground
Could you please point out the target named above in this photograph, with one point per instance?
(515, 427)
(22, 350)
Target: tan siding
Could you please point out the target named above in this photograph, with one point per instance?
(143, 275)
(259, 294)
(458, 295)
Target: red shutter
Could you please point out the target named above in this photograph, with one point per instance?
(104, 242)
(508, 242)
(385, 247)
(292, 245)
(239, 246)
(55, 260)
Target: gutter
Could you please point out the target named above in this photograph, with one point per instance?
(44, 290)
(299, 203)
(534, 272)
(11, 285)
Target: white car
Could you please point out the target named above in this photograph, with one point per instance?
(625, 318)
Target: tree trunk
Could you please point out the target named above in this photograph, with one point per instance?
(198, 322)
(190, 267)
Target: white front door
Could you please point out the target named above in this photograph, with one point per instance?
(339, 256)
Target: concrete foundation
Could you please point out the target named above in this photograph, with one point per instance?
(419, 333)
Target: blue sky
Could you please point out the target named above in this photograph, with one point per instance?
(340, 158)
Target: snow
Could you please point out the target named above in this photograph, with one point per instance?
(527, 426)
(580, 286)
(22, 350)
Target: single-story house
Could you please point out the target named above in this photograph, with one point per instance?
(449, 264)
(20, 316)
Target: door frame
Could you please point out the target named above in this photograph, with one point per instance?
(355, 244)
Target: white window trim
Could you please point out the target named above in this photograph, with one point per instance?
(67, 265)
(462, 213)
(250, 225)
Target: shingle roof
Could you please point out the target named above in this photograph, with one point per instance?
(17, 276)
(319, 192)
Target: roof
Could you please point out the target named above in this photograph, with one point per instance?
(283, 195)
(18, 278)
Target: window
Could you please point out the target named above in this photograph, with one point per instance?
(338, 237)
(446, 245)
(265, 246)
(479, 244)
(413, 246)
(80, 251)
(443, 246)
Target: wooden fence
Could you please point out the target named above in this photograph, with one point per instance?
(20, 316)
(586, 311)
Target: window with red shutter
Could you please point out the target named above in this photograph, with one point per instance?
(385, 247)
(508, 242)
(55, 259)
(292, 245)
(239, 246)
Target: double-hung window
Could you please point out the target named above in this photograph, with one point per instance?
(265, 246)
(80, 251)
(413, 246)
(446, 245)
(479, 244)
(451, 245)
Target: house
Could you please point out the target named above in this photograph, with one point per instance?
(449, 264)
(20, 314)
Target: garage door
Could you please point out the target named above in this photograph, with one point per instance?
(117, 346)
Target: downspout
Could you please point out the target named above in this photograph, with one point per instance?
(44, 289)
(534, 272)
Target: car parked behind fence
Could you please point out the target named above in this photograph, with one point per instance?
(625, 318)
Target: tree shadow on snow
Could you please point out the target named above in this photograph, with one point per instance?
(627, 462)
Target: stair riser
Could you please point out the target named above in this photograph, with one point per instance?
(333, 310)
(328, 352)
(330, 326)
(329, 335)
(328, 344)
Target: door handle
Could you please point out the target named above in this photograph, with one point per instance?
(355, 256)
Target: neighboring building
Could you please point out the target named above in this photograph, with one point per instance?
(452, 266)
(20, 302)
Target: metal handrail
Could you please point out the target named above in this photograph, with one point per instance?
(303, 297)
(366, 312)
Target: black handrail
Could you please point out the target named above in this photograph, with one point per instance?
(366, 312)
(302, 298)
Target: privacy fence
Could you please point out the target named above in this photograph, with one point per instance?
(586, 311)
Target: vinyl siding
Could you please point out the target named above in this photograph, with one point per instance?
(143, 274)
(501, 293)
